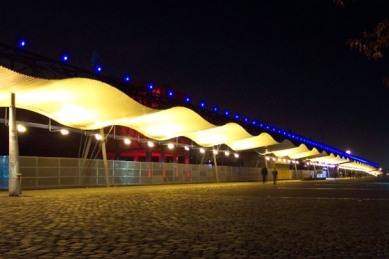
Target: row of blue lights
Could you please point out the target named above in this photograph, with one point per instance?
(170, 93)
(65, 58)
(237, 117)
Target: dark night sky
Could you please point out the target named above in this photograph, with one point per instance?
(282, 62)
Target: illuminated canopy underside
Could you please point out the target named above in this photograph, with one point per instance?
(88, 104)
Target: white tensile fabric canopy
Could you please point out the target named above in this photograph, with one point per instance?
(88, 104)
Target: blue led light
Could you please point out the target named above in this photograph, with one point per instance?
(227, 113)
(187, 99)
(237, 116)
(254, 122)
(22, 43)
(215, 108)
(98, 69)
(65, 58)
(267, 127)
(126, 78)
(170, 93)
(274, 129)
(202, 104)
(150, 87)
(261, 125)
(246, 119)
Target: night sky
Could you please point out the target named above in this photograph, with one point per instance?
(284, 63)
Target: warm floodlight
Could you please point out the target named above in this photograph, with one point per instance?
(150, 144)
(236, 155)
(186, 148)
(98, 137)
(64, 131)
(227, 153)
(215, 152)
(21, 128)
(170, 146)
(127, 141)
(202, 150)
(348, 152)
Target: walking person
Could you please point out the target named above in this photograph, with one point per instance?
(264, 174)
(275, 174)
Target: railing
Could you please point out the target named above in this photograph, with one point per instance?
(52, 173)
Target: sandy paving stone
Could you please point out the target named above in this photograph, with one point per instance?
(234, 220)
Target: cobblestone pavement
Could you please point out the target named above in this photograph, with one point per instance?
(312, 219)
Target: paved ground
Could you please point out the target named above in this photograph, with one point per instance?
(315, 219)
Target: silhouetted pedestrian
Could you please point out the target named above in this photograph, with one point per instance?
(264, 174)
(275, 174)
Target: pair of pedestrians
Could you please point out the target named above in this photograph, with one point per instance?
(264, 175)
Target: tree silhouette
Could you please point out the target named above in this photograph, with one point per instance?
(373, 44)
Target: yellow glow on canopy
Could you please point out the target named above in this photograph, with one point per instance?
(76, 114)
(261, 140)
(89, 104)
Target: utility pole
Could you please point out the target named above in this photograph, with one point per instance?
(14, 175)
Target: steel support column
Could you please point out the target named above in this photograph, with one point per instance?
(14, 175)
(104, 151)
(216, 168)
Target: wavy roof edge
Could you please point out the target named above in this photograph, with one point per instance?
(89, 104)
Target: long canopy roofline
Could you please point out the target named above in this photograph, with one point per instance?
(89, 104)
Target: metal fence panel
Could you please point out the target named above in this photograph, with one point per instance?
(28, 172)
(48, 162)
(51, 172)
(28, 161)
